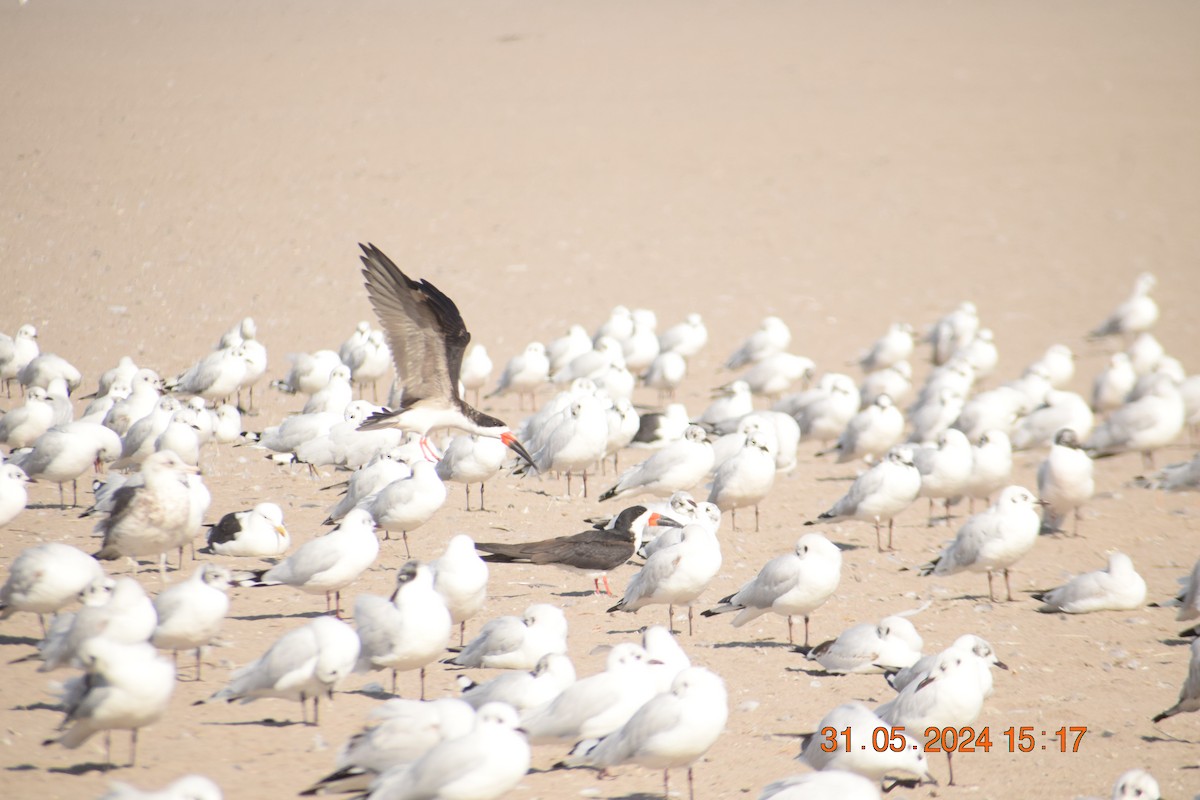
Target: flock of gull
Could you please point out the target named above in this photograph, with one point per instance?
(948, 440)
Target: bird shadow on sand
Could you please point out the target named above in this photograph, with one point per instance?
(39, 706)
(815, 672)
(1167, 738)
(297, 615)
(844, 546)
(269, 722)
(29, 640)
(374, 694)
(55, 506)
(584, 593)
(753, 645)
(837, 479)
(85, 768)
(1169, 642)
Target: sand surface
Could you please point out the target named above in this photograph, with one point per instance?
(171, 167)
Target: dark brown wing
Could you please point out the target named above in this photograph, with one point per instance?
(424, 329)
(226, 530)
(122, 498)
(599, 550)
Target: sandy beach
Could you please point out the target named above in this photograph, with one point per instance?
(170, 168)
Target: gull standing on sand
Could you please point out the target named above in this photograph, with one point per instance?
(969, 642)
(1113, 385)
(687, 338)
(895, 382)
(991, 466)
(678, 466)
(476, 370)
(1065, 481)
(409, 630)
(953, 332)
(525, 373)
(369, 362)
(730, 404)
(597, 705)
(327, 564)
(151, 518)
(1136, 314)
(305, 662)
(470, 458)
(773, 336)
(745, 479)
(13, 496)
(15, 353)
(879, 494)
(309, 373)
(23, 424)
(524, 691)
(606, 352)
(1189, 695)
(574, 439)
(673, 729)
(460, 576)
(257, 532)
(367, 481)
(665, 373)
(1116, 588)
(138, 442)
(1061, 410)
(408, 503)
(878, 764)
(945, 469)
(482, 765)
(705, 514)
(566, 348)
(891, 644)
(123, 614)
(334, 396)
(776, 373)
(824, 412)
(126, 687)
(144, 390)
(516, 642)
(870, 433)
(675, 575)
(992, 540)
(894, 346)
(46, 368)
(1152, 421)
(793, 584)
(404, 730)
(45, 578)
(190, 613)
(951, 695)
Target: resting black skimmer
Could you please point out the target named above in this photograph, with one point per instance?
(593, 552)
(428, 337)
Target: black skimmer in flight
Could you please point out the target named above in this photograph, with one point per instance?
(593, 552)
(428, 337)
